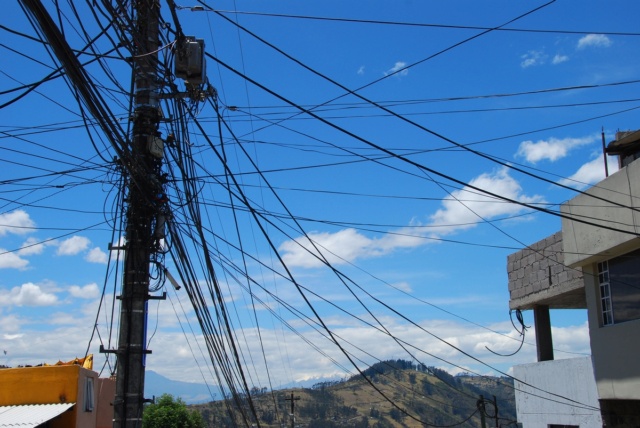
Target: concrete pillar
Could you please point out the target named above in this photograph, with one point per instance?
(544, 342)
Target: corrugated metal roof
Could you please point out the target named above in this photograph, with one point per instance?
(30, 415)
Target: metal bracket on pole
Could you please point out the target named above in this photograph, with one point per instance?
(107, 351)
(163, 297)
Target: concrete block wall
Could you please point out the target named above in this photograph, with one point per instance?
(537, 274)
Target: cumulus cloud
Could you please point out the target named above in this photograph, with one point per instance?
(28, 294)
(310, 364)
(96, 255)
(594, 40)
(10, 324)
(400, 65)
(73, 246)
(532, 58)
(33, 246)
(17, 222)
(591, 172)
(11, 260)
(468, 207)
(338, 248)
(67, 339)
(349, 245)
(551, 149)
(559, 59)
(89, 291)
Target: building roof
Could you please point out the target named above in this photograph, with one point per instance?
(625, 142)
(30, 415)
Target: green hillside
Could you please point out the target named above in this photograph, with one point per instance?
(419, 395)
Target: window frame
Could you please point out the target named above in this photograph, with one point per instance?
(618, 280)
(89, 396)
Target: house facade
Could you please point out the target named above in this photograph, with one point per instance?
(61, 396)
(593, 263)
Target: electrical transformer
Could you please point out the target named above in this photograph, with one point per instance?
(189, 60)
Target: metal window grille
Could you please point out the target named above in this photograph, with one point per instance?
(605, 293)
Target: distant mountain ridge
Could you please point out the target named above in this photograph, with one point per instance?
(391, 394)
(196, 393)
(191, 393)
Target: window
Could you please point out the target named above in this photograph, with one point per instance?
(619, 280)
(605, 293)
(88, 394)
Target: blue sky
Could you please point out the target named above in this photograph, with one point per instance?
(535, 94)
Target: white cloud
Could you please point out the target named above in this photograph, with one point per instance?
(345, 246)
(348, 245)
(33, 246)
(551, 149)
(403, 286)
(288, 357)
(558, 59)
(96, 255)
(591, 172)
(475, 206)
(73, 246)
(11, 260)
(594, 40)
(338, 248)
(12, 336)
(400, 65)
(17, 222)
(532, 58)
(89, 291)
(167, 354)
(361, 70)
(10, 324)
(28, 294)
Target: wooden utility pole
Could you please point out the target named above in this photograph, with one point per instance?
(142, 162)
(480, 404)
(293, 400)
(483, 411)
(495, 406)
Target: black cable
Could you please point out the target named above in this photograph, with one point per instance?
(311, 112)
(413, 24)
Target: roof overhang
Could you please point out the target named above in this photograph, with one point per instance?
(30, 415)
(627, 142)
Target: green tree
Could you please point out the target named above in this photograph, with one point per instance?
(170, 412)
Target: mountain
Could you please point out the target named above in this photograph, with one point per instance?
(419, 395)
(191, 393)
(196, 393)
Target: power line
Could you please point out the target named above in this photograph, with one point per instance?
(409, 24)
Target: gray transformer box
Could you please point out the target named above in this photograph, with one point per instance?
(189, 60)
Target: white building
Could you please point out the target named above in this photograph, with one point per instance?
(593, 263)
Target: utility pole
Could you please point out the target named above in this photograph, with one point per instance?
(142, 162)
(495, 405)
(293, 400)
(483, 411)
(480, 404)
